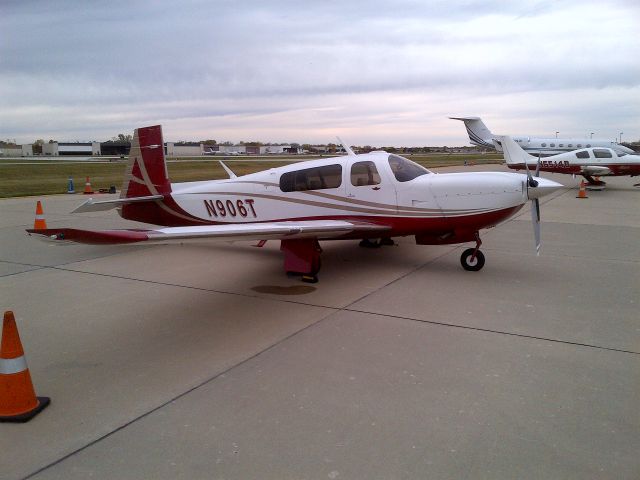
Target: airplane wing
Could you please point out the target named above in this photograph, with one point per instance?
(594, 170)
(321, 229)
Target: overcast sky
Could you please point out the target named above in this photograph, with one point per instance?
(373, 72)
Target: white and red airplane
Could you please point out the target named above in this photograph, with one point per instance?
(588, 162)
(372, 196)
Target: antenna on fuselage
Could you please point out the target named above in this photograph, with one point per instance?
(346, 147)
(228, 170)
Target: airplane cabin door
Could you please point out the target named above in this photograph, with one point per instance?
(370, 187)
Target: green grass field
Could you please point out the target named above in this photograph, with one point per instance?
(19, 178)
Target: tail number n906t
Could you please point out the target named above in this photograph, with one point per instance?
(220, 208)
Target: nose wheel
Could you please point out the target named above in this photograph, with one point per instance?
(472, 259)
(470, 262)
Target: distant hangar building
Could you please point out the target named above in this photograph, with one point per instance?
(17, 151)
(87, 149)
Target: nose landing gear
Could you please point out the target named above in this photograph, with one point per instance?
(472, 259)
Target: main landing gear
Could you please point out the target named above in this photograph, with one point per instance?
(595, 181)
(376, 242)
(302, 258)
(472, 259)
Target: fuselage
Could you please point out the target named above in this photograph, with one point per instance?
(554, 146)
(376, 188)
(589, 161)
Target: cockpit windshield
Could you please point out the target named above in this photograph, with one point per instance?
(405, 170)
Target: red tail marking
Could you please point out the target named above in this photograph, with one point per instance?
(147, 173)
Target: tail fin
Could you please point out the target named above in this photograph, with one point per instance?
(478, 132)
(146, 172)
(513, 153)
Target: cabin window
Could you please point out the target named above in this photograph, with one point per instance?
(601, 153)
(561, 145)
(405, 170)
(552, 145)
(364, 173)
(544, 144)
(316, 178)
(582, 154)
(579, 145)
(588, 145)
(570, 145)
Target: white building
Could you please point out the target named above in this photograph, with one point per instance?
(17, 151)
(188, 150)
(55, 149)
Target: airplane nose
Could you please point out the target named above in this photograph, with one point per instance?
(544, 187)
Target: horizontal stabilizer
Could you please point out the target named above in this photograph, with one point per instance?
(92, 206)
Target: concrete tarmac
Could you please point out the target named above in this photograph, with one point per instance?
(202, 361)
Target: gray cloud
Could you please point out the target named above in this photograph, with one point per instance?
(72, 69)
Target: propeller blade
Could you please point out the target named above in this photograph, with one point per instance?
(538, 166)
(535, 220)
(530, 181)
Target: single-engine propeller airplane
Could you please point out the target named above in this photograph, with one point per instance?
(588, 162)
(371, 196)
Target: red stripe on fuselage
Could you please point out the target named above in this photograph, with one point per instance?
(152, 212)
(616, 170)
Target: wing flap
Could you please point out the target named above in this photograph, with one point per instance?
(321, 229)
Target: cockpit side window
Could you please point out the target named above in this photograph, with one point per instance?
(601, 153)
(364, 173)
(582, 154)
(405, 170)
(316, 178)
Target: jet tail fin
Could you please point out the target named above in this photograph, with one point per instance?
(513, 153)
(478, 132)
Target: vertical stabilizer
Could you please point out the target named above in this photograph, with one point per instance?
(146, 172)
(513, 153)
(478, 132)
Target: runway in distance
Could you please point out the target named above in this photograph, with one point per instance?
(480, 135)
(588, 162)
(371, 197)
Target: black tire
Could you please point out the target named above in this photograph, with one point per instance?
(467, 264)
(367, 243)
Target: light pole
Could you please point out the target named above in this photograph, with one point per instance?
(557, 134)
(591, 135)
(621, 136)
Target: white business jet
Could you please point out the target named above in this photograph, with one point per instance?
(480, 135)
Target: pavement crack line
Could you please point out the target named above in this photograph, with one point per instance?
(347, 308)
(331, 313)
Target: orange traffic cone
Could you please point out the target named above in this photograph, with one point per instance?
(39, 223)
(18, 401)
(87, 187)
(582, 193)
